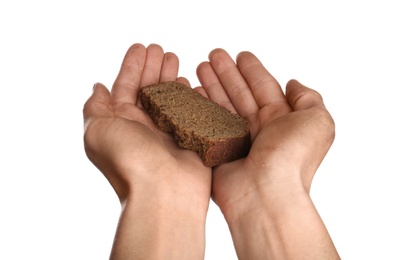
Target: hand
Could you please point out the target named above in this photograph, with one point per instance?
(121, 139)
(290, 131)
(164, 190)
(265, 196)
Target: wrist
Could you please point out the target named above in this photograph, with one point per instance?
(185, 190)
(267, 230)
(169, 200)
(267, 190)
(154, 220)
(277, 219)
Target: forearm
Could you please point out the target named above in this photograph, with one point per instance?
(281, 224)
(157, 227)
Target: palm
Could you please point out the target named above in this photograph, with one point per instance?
(240, 173)
(276, 145)
(155, 145)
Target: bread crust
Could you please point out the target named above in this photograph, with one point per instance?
(212, 150)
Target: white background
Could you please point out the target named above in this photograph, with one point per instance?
(54, 204)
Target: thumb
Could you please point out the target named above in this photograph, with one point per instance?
(301, 97)
(98, 104)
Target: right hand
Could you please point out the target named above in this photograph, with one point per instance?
(291, 133)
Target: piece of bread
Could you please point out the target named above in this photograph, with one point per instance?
(197, 123)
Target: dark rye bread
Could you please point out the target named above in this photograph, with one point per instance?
(197, 123)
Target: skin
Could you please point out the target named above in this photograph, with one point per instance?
(165, 190)
(265, 196)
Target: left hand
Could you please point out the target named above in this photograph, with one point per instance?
(123, 142)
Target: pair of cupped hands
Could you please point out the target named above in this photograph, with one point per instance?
(291, 132)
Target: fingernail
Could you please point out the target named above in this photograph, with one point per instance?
(94, 86)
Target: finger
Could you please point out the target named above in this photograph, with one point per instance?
(152, 67)
(213, 87)
(232, 80)
(126, 85)
(184, 81)
(98, 104)
(263, 85)
(300, 97)
(265, 88)
(201, 91)
(170, 67)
